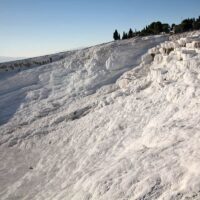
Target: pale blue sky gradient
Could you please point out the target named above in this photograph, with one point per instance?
(38, 27)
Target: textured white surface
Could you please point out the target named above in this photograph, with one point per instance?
(74, 130)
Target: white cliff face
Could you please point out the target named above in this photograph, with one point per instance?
(76, 129)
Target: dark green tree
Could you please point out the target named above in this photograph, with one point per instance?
(165, 28)
(116, 35)
(178, 29)
(130, 33)
(124, 36)
(187, 25)
(196, 24)
(157, 28)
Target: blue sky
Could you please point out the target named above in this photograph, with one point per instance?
(38, 27)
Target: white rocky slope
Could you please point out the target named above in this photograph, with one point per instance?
(74, 130)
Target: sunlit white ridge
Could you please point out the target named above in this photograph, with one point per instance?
(116, 121)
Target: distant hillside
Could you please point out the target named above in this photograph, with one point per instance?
(16, 64)
(7, 59)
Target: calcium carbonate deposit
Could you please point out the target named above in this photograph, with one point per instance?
(117, 121)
